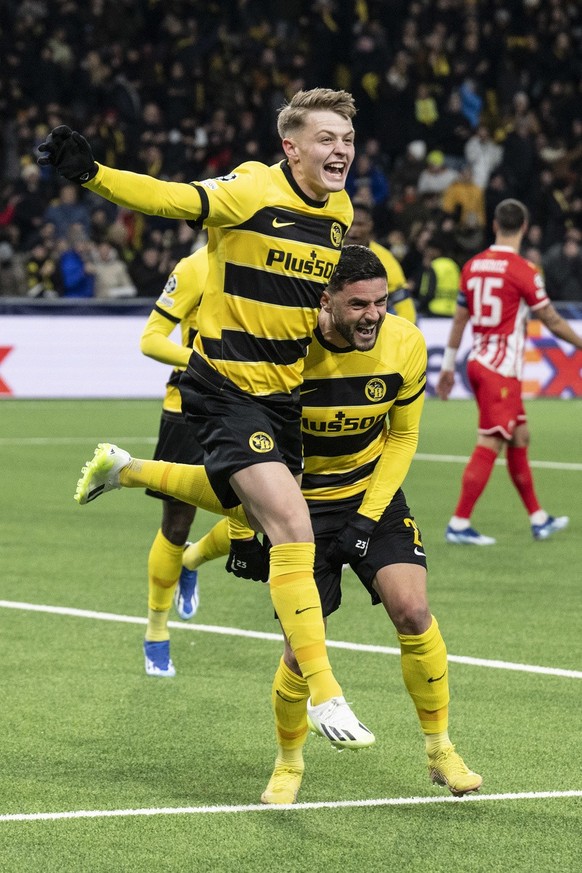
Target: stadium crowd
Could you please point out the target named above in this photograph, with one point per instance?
(461, 104)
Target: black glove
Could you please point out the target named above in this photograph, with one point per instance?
(352, 541)
(69, 153)
(249, 559)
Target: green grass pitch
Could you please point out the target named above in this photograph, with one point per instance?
(166, 775)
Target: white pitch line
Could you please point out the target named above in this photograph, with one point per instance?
(462, 459)
(75, 441)
(263, 635)
(287, 807)
(151, 440)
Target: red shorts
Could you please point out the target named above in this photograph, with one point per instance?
(499, 400)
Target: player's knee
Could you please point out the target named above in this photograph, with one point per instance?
(176, 522)
(411, 616)
(289, 527)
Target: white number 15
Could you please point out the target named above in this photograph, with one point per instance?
(484, 290)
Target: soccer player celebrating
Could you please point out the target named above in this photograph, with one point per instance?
(363, 371)
(275, 235)
(498, 289)
(363, 394)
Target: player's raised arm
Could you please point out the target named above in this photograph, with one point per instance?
(70, 154)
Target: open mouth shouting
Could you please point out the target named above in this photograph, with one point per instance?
(335, 170)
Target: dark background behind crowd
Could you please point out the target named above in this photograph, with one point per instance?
(462, 103)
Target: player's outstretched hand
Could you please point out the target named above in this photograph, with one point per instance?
(353, 541)
(69, 153)
(445, 384)
(249, 559)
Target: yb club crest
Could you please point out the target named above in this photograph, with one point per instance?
(375, 390)
(261, 442)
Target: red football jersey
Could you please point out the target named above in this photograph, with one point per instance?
(499, 288)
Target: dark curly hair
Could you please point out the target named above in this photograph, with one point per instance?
(355, 263)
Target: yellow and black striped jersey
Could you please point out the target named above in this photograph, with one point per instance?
(178, 304)
(361, 416)
(399, 299)
(271, 252)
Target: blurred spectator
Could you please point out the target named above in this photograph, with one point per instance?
(413, 261)
(533, 237)
(439, 282)
(30, 205)
(396, 242)
(68, 211)
(521, 113)
(367, 181)
(409, 166)
(99, 224)
(453, 131)
(77, 263)
(520, 160)
(426, 114)
(112, 279)
(149, 270)
(533, 254)
(483, 155)
(436, 177)
(471, 102)
(464, 202)
(562, 266)
(43, 277)
(496, 191)
(410, 210)
(395, 124)
(12, 273)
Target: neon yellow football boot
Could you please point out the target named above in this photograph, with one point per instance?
(284, 783)
(448, 768)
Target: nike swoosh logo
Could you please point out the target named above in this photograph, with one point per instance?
(437, 678)
(419, 553)
(277, 223)
(299, 611)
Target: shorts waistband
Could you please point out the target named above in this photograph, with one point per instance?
(202, 372)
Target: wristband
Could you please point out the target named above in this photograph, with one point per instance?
(448, 362)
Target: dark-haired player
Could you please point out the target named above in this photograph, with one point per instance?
(498, 290)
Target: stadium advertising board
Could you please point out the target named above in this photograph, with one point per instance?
(60, 356)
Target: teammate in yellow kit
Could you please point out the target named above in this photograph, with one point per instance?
(361, 233)
(168, 577)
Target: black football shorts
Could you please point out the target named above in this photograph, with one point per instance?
(396, 540)
(238, 430)
(177, 443)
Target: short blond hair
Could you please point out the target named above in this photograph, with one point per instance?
(292, 115)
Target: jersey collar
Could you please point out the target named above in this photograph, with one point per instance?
(329, 346)
(317, 204)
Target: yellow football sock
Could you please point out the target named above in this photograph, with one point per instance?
(238, 531)
(212, 545)
(185, 482)
(296, 601)
(164, 567)
(423, 659)
(289, 698)
(435, 742)
(157, 627)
